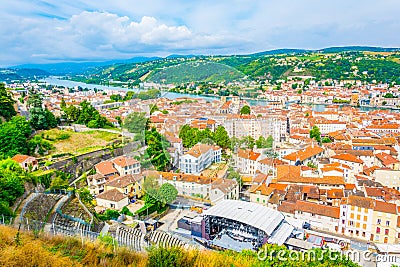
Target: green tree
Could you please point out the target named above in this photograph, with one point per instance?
(7, 110)
(39, 117)
(235, 175)
(155, 151)
(245, 110)
(315, 133)
(326, 139)
(136, 122)
(269, 142)
(168, 193)
(13, 136)
(248, 142)
(37, 145)
(221, 137)
(261, 142)
(72, 113)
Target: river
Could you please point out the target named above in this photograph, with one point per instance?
(171, 95)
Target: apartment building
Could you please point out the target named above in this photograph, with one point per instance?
(249, 125)
(199, 157)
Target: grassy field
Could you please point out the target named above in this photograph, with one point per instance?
(78, 142)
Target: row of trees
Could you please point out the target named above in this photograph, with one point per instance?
(191, 136)
(84, 114)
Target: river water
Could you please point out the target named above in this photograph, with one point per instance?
(171, 95)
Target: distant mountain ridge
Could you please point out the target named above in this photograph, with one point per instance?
(137, 69)
(73, 68)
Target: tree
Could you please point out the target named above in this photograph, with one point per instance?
(245, 110)
(221, 137)
(326, 139)
(155, 151)
(235, 175)
(315, 133)
(63, 105)
(37, 145)
(13, 136)
(248, 141)
(136, 122)
(269, 142)
(7, 110)
(72, 113)
(168, 193)
(261, 142)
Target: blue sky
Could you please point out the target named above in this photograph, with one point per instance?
(35, 31)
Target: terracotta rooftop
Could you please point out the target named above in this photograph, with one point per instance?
(105, 168)
(248, 154)
(304, 154)
(124, 161)
(21, 158)
(362, 202)
(385, 207)
(348, 157)
(263, 189)
(386, 159)
(112, 195)
(314, 208)
(124, 181)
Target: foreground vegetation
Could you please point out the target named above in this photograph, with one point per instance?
(27, 250)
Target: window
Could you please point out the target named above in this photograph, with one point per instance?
(365, 218)
(358, 217)
(352, 207)
(364, 226)
(378, 230)
(258, 199)
(358, 225)
(359, 209)
(386, 231)
(352, 215)
(387, 223)
(379, 221)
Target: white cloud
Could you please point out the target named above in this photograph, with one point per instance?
(34, 30)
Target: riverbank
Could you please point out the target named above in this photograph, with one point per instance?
(319, 107)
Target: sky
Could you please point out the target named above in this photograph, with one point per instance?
(34, 31)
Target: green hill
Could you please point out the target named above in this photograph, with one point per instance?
(198, 71)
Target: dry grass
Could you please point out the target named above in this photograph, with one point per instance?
(48, 250)
(59, 251)
(79, 142)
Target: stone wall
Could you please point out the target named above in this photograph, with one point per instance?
(76, 165)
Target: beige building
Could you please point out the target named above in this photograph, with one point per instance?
(129, 185)
(384, 223)
(388, 177)
(126, 165)
(113, 199)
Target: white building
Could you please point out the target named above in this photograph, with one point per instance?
(113, 199)
(199, 157)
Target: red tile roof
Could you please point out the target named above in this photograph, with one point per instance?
(348, 157)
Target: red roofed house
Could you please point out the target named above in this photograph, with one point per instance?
(106, 168)
(354, 162)
(113, 199)
(304, 156)
(126, 165)
(386, 160)
(319, 216)
(246, 161)
(26, 162)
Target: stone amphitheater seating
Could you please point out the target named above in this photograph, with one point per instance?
(129, 237)
(164, 239)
